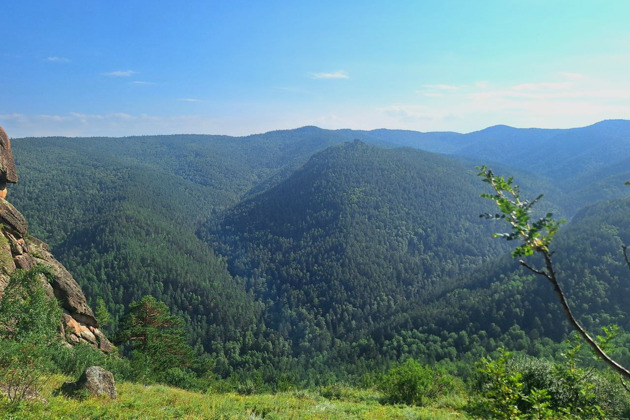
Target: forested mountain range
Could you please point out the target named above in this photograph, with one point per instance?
(307, 249)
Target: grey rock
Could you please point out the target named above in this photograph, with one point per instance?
(95, 380)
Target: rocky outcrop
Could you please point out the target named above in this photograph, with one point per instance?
(19, 250)
(8, 172)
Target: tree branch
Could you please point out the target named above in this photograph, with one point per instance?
(533, 270)
(624, 248)
(551, 276)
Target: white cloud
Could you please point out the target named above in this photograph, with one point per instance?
(142, 83)
(120, 73)
(542, 86)
(335, 75)
(57, 59)
(620, 93)
(408, 112)
(293, 89)
(189, 100)
(572, 76)
(441, 87)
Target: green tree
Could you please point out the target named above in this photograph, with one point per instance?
(102, 314)
(27, 313)
(157, 339)
(535, 237)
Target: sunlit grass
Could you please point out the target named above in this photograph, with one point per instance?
(137, 401)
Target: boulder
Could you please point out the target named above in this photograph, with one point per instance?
(96, 381)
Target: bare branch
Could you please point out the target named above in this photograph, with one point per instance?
(624, 248)
(533, 270)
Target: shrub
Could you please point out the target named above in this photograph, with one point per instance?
(73, 361)
(412, 383)
(180, 378)
(24, 369)
(29, 334)
(533, 388)
(499, 391)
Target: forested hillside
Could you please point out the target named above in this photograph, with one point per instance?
(283, 253)
(353, 235)
(502, 303)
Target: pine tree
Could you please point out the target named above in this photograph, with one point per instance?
(155, 335)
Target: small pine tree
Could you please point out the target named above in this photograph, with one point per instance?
(156, 338)
(102, 314)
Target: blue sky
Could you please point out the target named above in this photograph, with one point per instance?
(132, 67)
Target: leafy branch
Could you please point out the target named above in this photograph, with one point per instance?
(536, 237)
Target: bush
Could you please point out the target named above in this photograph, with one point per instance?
(181, 378)
(533, 388)
(27, 313)
(572, 389)
(499, 391)
(29, 334)
(412, 383)
(73, 361)
(24, 369)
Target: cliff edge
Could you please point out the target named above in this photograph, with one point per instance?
(19, 250)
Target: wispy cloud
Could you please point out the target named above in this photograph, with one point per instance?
(334, 75)
(189, 100)
(77, 124)
(408, 112)
(142, 83)
(293, 89)
(120, 73)
(441, 87)
(543, 86)
(572, 76)
(569, 94)
(57, 59)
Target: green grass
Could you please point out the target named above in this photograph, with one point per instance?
(136, 401)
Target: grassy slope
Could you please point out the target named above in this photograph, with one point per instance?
(136, 401)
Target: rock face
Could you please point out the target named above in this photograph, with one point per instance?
(19, 250)
(96, 381)
(8, 172)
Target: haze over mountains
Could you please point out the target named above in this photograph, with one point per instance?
(314, 248)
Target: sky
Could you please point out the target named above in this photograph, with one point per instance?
(140, 67)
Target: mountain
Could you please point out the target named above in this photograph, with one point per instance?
(292, 248)
(350, 237)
